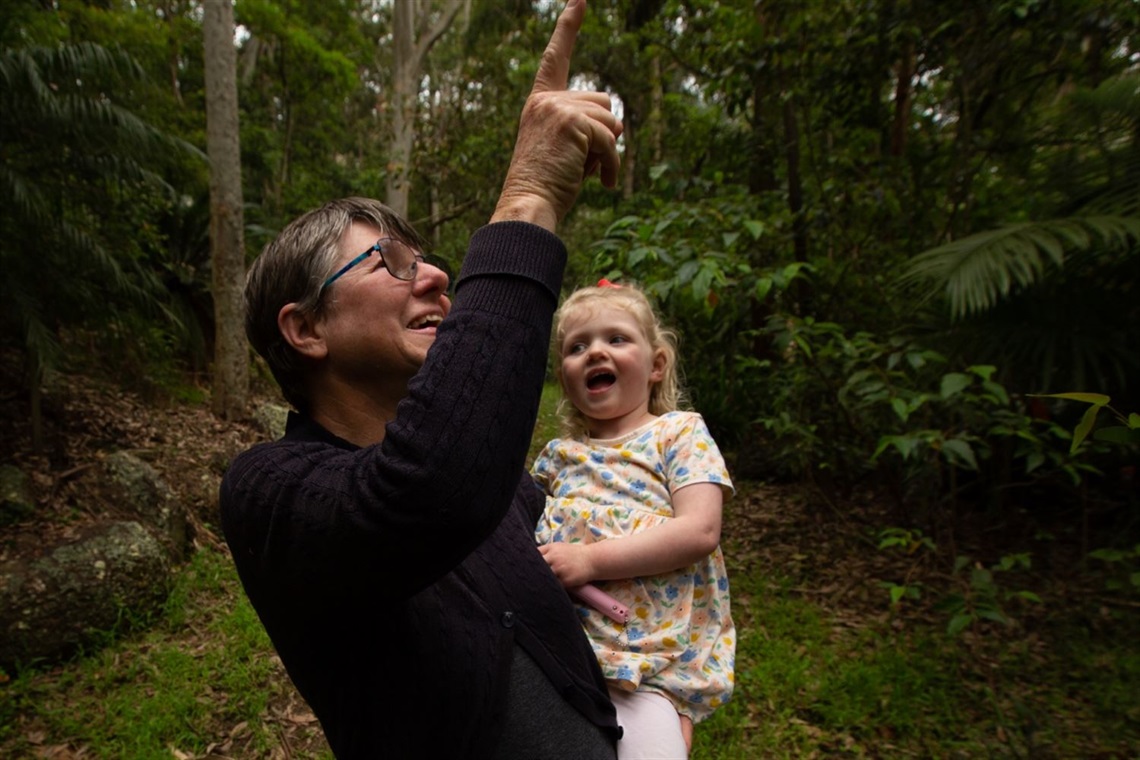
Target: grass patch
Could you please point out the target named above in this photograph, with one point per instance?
(199, 682)
(805, 685)
(547, 427)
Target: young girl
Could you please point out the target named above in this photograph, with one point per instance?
(634, 496)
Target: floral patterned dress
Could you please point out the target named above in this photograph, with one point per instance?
(680, 640)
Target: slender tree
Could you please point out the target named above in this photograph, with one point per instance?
(413, 39)
(231, 354)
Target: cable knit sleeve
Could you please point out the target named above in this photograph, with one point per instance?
(298, 514)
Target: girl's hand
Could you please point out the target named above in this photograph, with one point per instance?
(570, 562)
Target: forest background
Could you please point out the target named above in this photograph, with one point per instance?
(882, 228)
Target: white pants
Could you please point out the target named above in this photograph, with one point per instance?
(651, 726)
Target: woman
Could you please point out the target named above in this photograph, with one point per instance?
(386, 541)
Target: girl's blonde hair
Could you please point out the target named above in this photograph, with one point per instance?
(664, 396)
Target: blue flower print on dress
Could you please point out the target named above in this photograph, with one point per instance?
(597, 457)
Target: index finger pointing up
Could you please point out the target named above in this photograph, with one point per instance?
(554, 70)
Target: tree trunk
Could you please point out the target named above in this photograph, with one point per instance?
(404, 76)
(795, 179)
(655, 123)
(227, 246)
(36, 399)
(631, 134)
(901, 122)
(762, 163)
(407, 69)
(788, 99)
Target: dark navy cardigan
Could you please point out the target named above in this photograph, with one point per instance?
(395, 580)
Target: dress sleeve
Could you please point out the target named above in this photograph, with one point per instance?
(692, 456)
(543, 468)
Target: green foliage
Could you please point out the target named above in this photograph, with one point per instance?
(1046, 291)
(981, 596)
(79, 176)
(809, 678)
(713, 269)
(911, 541)
(978, 593)
(1123, 568)
(1127, 432)
(824, 402)
(978, 271)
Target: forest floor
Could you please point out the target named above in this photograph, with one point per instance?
(827, 665)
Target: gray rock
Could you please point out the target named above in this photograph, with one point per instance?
(114, 575)
(270, 419)
(150, 498)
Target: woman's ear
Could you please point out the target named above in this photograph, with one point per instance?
(301, 331)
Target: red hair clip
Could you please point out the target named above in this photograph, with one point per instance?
(604, 283)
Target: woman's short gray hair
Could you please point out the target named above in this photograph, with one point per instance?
(293, 268)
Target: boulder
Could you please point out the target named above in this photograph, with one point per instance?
(114, 575)
(270, 420)
(148, 498)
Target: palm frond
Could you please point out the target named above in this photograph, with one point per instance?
(976, 272)
(74, 152)
(1115, 96)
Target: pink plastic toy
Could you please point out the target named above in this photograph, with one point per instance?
(602, 602)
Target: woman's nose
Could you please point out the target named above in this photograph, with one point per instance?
(430, 275)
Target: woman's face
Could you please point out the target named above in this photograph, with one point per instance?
(378, 328)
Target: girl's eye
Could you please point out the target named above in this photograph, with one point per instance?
(618, 339)
(577, 348)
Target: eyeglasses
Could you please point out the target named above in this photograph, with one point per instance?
(397, 257)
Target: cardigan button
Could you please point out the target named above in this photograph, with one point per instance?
(508, 619)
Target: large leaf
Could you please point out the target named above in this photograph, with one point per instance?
(977, 272)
